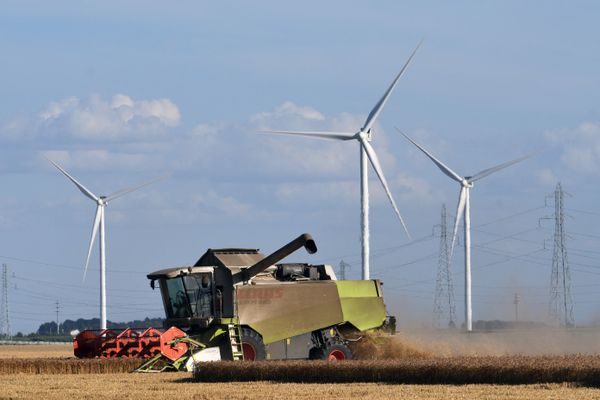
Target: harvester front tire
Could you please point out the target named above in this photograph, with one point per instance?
(333, 352)
(253, 346)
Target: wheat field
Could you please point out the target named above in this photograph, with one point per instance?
(51, 372)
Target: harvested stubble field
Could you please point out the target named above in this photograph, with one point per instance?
(36, 350)
(180, 386)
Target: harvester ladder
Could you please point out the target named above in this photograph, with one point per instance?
(235, 333)
(235, 338)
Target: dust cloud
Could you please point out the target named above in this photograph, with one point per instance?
(538, 341)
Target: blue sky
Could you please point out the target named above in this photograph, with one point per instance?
(121, 92)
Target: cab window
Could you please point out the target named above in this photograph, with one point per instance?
(199, 290)
(177, 306)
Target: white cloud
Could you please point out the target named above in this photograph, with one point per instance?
(338, 192)
(209, 206)
(287, 114)
(136, 140)
(205, 133)
(98, 159)
(546, 177)
(298, 169)
(414, 190)
(580, 147)
(224, 204)
(120, 118)
(313, 157)
(405, 189)
(56, 108)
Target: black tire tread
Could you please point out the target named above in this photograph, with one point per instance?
(322, 353)
(252, 337)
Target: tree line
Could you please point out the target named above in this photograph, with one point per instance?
(81, 324)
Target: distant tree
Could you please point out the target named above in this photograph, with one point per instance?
(81, 324)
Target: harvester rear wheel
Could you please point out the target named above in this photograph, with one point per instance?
(252, 345)
(333, 352)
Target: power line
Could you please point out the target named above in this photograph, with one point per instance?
(55, 265)
(517, 214)
(583, 211)
(76, 287)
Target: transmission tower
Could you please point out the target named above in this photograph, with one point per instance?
(343, 267)
(444, 289)
(4, 320)
(57, 323)
(561, 302)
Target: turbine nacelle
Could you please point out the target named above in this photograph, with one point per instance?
(365, 135)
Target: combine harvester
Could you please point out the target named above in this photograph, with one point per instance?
(237, 304)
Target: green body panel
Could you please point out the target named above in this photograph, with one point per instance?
(285, 309)
(362, 304)
(281, 310)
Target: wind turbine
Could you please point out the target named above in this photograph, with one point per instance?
(363, 137)
(464, 207)
(101, 202)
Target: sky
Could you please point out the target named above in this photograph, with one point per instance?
(120, 93)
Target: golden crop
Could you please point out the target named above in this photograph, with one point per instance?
(67, 365)
(436, 370)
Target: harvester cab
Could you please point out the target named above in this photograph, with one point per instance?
(189, 295)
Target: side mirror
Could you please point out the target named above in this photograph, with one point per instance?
(152, 284)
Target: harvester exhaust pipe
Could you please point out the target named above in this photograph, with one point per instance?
(305, 240)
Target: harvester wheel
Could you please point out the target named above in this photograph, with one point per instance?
(253, 346)
(333, 352)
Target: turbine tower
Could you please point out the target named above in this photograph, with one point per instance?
(101, 202)
(464, 207)
(367, 154)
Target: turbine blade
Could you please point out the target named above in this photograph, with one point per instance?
(443, 167)
(377, 167)
(459, 213)
(94, 232)
(315, 134)
(82, 188)
(131, 189)
(489, 171)
(379, 106)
